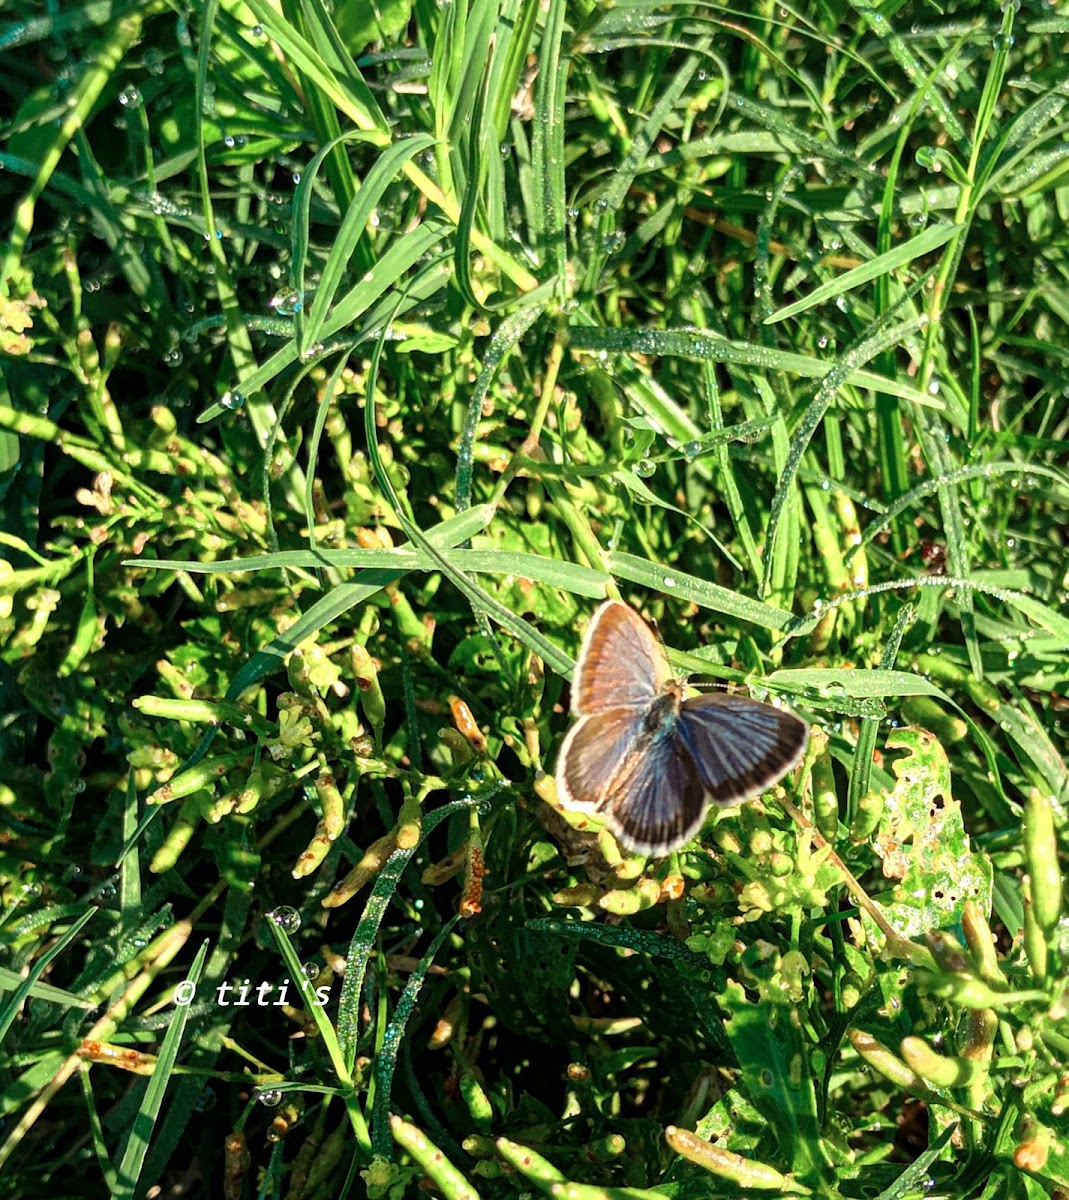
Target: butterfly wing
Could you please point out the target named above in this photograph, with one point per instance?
(740, 746)
(621, 663)
(658, 803)
(594, 753)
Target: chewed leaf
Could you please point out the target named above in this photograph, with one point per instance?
(923, 843)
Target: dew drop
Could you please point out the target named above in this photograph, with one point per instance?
(287, 303)
(287, 919)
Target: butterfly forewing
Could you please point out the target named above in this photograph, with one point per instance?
(596, 750)
(621, 664)
(740, 747)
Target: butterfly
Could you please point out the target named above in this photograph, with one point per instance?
(648, 760)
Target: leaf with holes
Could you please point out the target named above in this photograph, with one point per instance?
(923, 844)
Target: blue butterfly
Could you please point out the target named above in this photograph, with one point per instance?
(651, 762)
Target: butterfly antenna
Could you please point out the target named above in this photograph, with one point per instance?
(653, 624)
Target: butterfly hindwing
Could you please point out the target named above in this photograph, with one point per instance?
(597, 747)
(659, 803)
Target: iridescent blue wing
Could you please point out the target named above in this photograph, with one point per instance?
(657, 804)
(740, 746)
(594, 753)
(621, 664)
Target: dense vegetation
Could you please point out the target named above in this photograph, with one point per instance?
(349, 357)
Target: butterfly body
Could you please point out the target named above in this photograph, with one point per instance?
(651, 761)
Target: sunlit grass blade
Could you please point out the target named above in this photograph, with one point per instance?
(137, 1142)
(671, 583)
(882, 264)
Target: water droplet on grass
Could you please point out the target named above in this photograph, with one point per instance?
(287, 919)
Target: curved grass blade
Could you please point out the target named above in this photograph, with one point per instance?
(479, 599)
(858, 684)
(144, 1122)
(670, 582)
(548, 224)
(386, 1057)
(353, 225)
(507, 334)
(362, 945)
(29, 986)
(392, 266)
(1042, 614)
(570, 577)
(881, 265)
(960, 475)
(327, 1033)
(878, 339)
(708, 345)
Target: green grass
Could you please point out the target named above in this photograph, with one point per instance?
(347, 362)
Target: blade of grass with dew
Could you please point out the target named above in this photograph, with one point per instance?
(506, 336)
(359, 104)
(623, 177)
(327, 1034)
(570, 577)
(547, 221)
(916, 1178)
(960, 475)
(882, 264)
(348, 93)
(480, 600)
(137, 1143)
(243, 359)
(30, 985)
(402, 254)
(362, 945)
(781, 554)
(1042, 614)
(386, 1055)
(321, 30)
(879, 337)
(707, 344)
(891, 439)
(321, 315)
(672, 583)
(300, 230)
(907, 60)
(856, 682)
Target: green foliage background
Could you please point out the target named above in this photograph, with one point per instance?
(349, 357)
